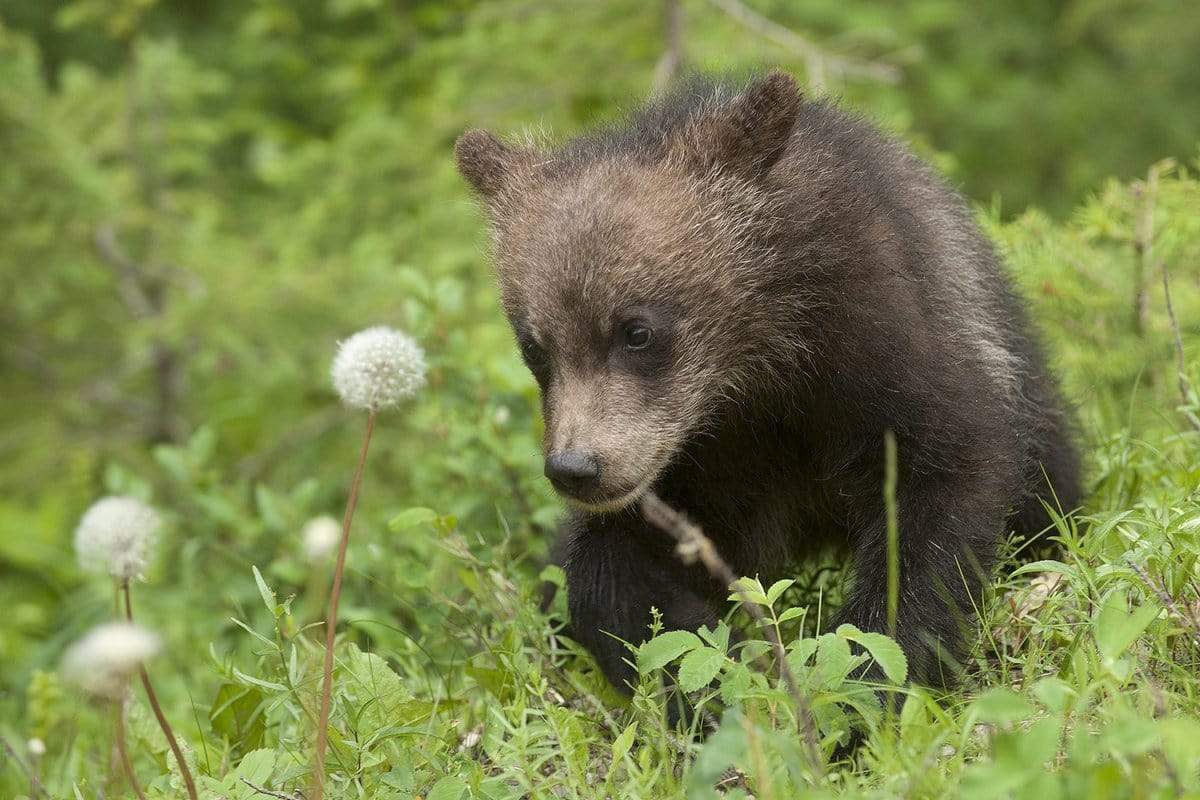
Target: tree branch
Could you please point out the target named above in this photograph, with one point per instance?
(817, 61)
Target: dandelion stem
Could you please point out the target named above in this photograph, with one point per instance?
(123, 751)
(893, 530)
(158, 712)
(693, 545)
(335, 594)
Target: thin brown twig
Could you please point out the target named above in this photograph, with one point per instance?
(1187, 618)
(34, 784)
(123, 751)
(269, 793)
(152, 696)
(331, 621)
(1180, 362)
(693, 545)
(672, 58)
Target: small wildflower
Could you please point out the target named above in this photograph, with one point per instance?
(116, 536)
(377, 368)
(321, 535)
(36, 747)
(102, 661)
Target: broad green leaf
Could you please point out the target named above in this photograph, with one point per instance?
(1054, 693)
(778, 588)
(1001, 706)
(665, 648)
(375, 690)
(699, 667)
(257, 766)
(883, 649)
(1116, 629)
(833, 660)
(450, 787)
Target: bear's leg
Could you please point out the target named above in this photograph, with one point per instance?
(618, 567)
(949, 533)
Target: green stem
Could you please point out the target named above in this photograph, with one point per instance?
(335, 595)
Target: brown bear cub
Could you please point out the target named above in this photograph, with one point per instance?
(730, 298)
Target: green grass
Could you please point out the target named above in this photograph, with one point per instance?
(450, 683)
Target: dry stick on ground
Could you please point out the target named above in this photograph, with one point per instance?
(269, 793)
(169, 732)
(1187, 618)
(1180, 362)
(693, 545)
(123, 751)
(816, 60)
(335, 595)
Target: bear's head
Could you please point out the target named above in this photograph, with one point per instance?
(632, 266)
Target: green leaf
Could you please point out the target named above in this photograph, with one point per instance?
(1054, 693)
(265, 592)
(1115, 629)
(236, 715)
(792, 613)
(257, 766)
(623, 742)
(376, 690)
(833, 660)
(1001, 706)
(411, 518)
(778, 588)
(883, 649)
(665, 648)
(699, 667)
(450, 787)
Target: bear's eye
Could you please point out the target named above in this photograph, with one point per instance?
(638, 336)
(534, 356)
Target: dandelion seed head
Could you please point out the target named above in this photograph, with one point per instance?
(36, 747)
(102, 662)
(377, 368)
(116, 535)
(321, 536)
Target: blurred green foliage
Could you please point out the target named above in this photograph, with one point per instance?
(198, 199)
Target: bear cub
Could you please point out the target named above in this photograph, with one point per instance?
(729, 298)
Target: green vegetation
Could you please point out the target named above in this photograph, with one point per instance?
(197, 201)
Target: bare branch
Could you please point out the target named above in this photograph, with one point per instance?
(269, 793)
(1180, 362)
(672, 59)
(1188, 619)
(817, 61)
(693, 545)
(131, 276)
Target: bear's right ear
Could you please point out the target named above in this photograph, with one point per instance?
(488, 163)
(749, 133)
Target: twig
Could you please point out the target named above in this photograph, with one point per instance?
(816, 60)
(671, 61)
(167, 730)
(1180, 362)
(1188, 618)
(123, 751)
(1143, 247)
(269, 793)
(331, 622)
(34, 783)
(693, 545)
(893, 530)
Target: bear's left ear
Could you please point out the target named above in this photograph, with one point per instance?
(750, 133)
(490, 165)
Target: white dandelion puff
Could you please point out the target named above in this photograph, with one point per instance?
(102, 662)
(116, 536)
(321, 536)
(36, 747)
(377, 368)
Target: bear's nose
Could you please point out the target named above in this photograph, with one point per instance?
(573, 472)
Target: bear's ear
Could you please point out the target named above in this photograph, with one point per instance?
(488, 163)
(750, 133)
